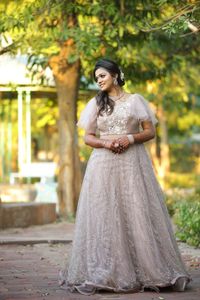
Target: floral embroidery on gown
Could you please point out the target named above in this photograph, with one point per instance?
(123, 237)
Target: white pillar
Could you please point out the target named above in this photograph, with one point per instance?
(2, 145)
(20, 129)
(28, 127)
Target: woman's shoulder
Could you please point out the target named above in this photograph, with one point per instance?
(134, 97)
(91, 103)
(142, 107)
(92, 100)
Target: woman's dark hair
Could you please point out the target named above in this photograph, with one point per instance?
(104, 103)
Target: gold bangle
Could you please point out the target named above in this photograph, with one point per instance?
(104, 144)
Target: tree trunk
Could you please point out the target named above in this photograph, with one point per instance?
(164, 143)
(160, 149)
(66, 77)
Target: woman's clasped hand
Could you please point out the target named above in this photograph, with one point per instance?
(117, 146)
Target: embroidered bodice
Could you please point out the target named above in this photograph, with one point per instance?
(121, 121)
(125, 118)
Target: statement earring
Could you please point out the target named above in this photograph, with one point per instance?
(115, 81)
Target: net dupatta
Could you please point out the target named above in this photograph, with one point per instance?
(142, 110)
(88, 117)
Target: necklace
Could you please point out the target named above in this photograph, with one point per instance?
(118, 97)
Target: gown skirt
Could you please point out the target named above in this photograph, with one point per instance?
(123, 237)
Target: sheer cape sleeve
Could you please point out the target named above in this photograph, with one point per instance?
(88, 117)
(142, 111)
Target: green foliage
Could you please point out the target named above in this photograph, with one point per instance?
(181, 17)
(182, 180)
(187, 219)
(182, 161)
(184, 207)
(170, 203)
(180, 25)
(176, 195)
(98, 28)
(46, 114)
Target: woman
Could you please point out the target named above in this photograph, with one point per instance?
(123, 236)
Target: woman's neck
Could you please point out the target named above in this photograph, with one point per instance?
(116, 91)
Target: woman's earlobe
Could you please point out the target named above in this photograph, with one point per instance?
(115, 81)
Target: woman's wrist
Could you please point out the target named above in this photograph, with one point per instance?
(104, 143)
(131, 138)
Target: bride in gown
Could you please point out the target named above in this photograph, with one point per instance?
(123, 237)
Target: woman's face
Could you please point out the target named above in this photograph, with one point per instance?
(104, 79)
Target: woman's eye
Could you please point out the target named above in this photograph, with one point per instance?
(100, 76)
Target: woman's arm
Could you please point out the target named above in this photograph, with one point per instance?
(147, 134)
(92, 141)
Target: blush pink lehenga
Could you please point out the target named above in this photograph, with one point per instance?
(123, 237)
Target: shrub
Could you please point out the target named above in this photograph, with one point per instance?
(175, 196)
(170, 203)
(187, 220)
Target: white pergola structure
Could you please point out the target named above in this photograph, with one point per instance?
(24, 102)
(24, 96)
(14, 78)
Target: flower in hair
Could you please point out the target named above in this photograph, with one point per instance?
(121, 75)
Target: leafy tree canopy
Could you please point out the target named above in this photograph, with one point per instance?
(142, 35)
(151, 39)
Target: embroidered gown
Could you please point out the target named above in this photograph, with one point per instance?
(123, 237)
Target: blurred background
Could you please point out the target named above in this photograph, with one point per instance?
(48, 49)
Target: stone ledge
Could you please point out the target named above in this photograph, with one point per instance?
(31, 241)
(17, 192)
(26, 214)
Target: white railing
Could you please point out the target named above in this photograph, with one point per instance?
(42, 170)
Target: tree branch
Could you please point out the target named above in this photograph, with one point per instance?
(8, 48)
(183, 11)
